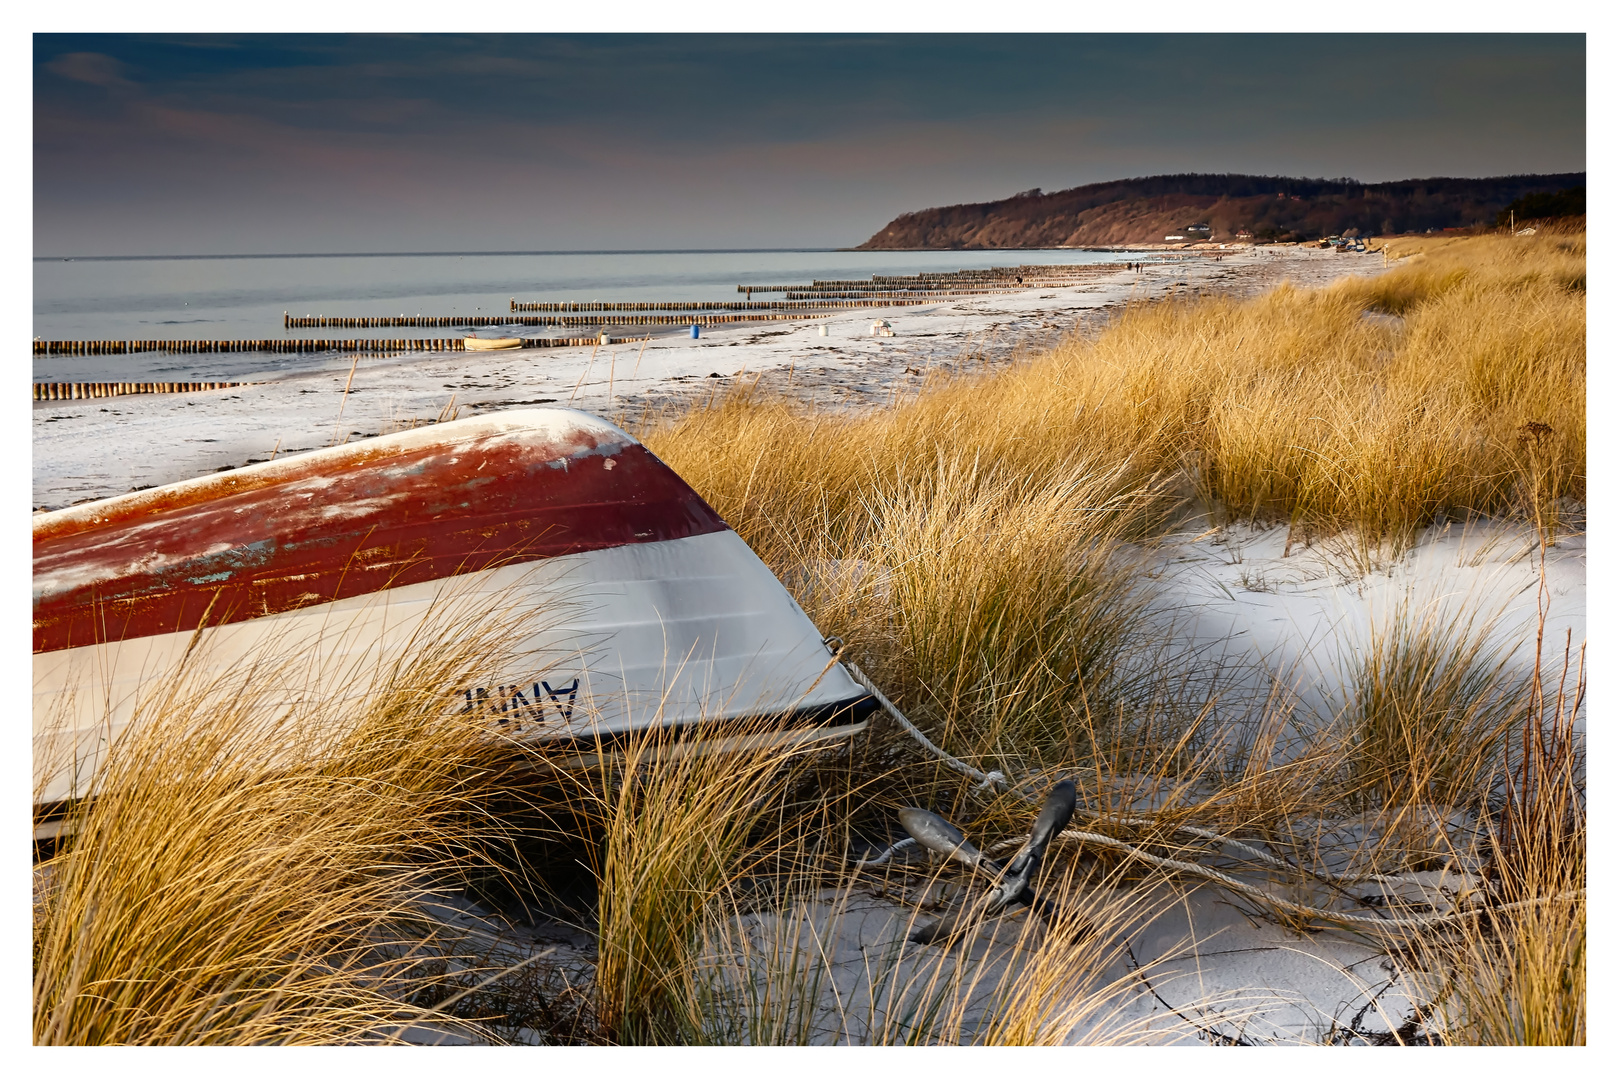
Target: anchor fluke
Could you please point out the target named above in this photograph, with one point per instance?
(940, 836)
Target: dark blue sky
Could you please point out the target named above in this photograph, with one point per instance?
(259, 143)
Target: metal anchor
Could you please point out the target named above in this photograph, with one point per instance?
(1012, 880)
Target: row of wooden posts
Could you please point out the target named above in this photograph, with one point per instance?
(76, 391)
(701, 305)
(305, 321)
(936, 281)
(657, 320)
(832, 291)
(916, 296)
(362, 322)
(279, 345)
(1002, 273)
(935, 291)
(739, 311)
(605, 319)
(927, 291)
(1028, 277)
(389, 346)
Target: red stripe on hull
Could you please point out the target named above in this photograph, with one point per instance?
(264, 541)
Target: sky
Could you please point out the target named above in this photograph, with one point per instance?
(232, 144)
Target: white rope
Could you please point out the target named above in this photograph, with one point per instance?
(987, 781)
(1324, 876)
(1409, 923)
(887, 852)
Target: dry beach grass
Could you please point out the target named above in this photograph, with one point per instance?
(1373, 404)
(978, 549)
(213, 895)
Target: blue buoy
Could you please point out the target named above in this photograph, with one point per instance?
(694, 330)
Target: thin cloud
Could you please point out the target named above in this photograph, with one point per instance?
(97, 69)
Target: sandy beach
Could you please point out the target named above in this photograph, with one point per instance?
(1244, 604)
(100, 448)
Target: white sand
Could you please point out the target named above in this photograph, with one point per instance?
(1233, 599)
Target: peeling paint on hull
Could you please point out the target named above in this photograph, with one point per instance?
(655, 611)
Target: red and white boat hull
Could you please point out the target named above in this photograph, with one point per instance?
(633, 604)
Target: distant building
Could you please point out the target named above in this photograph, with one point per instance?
(1200, 231)
(1175, 236)
(1245, 234)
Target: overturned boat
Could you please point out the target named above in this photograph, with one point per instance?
(655, 613)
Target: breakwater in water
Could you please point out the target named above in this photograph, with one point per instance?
(610, 319)
(294, 345)
(237, 298)
(800, 308)
(866, 288)
(79, 391)
(962, 282)
(811, 306)
(114, 348)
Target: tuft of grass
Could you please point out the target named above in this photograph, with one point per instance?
(252, 870)
(1518, 978)
(679, 831)
(1433, 703)
(1518, 973)
(821, 967)
(1003, 606)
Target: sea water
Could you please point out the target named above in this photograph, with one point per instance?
(245, 296)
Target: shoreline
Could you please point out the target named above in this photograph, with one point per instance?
(84, 449)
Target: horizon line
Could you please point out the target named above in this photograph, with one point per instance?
(431, 254)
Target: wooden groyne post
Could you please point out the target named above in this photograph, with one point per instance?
(79, 391)
(273, 345)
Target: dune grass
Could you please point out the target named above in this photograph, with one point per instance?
(978, 548)
(1518, 977)
(1304, 406)
(1433, 707)
(252, 869)
(970, 543)
(680, 832)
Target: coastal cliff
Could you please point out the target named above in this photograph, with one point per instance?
(1148, 209)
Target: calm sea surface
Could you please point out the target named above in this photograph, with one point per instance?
(245, 296)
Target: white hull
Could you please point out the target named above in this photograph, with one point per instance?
(661, 634)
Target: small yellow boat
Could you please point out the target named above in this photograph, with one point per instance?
(484, 344)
